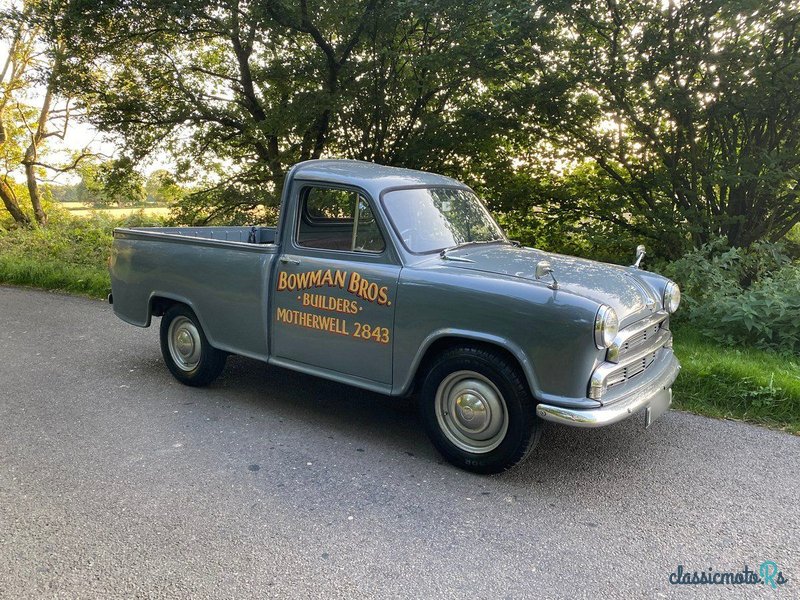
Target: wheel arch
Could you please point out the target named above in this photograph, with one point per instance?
(442, 340)
(160, 302)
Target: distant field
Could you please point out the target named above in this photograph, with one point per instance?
(79, 209)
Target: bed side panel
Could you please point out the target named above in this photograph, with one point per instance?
(224, 284)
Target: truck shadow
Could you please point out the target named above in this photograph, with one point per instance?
(392, 426)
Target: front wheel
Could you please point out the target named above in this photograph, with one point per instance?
(477, 410)
(187, 353)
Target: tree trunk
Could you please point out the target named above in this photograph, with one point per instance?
(10, 202)
(32, 152)
(6, 193)
(33, 191)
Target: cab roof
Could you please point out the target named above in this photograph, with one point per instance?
(372, 177)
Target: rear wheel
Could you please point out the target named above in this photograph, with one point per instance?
(186, 350)
(478, 411)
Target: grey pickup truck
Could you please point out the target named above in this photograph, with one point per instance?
(400, 282)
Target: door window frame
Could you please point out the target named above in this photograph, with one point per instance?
(386, 256)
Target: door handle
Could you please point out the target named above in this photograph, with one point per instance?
(289, 261)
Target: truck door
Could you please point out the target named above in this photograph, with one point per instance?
(335, 285)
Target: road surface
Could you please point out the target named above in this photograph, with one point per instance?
(117, 481)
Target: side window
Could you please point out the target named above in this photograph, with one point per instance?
(336, 219)
(328, 205)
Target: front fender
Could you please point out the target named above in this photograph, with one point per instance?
(548, 332)
(405, 386)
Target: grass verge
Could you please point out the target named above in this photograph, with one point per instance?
(70, 254)
(53, 275)
(740, 383)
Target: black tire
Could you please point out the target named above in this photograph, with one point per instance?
(195, 361)
(470, 379)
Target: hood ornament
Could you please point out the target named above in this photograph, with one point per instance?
(544, 268)
(641, 251)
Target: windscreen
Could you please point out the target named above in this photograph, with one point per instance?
(431, 219)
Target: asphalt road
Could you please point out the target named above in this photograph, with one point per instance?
(117, 481)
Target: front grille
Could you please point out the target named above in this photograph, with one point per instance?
(634, 351)
(636, 338)
(630, 370)
(639, 338)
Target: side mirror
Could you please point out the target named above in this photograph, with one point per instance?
(544, 268)
(641, 251)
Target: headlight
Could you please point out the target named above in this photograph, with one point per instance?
(672, 297)
(606, 327)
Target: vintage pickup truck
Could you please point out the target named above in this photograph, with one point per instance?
(400, 282)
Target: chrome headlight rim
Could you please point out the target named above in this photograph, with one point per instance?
(606, 327)
(671, 300)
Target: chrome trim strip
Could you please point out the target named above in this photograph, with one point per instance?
(653, 382)
(625, 334)
(125, 233)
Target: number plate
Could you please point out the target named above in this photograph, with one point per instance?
(659, 404)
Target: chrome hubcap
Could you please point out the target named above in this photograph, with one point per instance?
(184, 343)
(471, 412)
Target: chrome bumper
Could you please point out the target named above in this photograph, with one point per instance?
(642, 391)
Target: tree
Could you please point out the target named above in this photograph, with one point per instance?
(162, 188)
(672, 121)
(687, 111)
(238, 91)
(12, 79)
(112, 181)
(34, 61)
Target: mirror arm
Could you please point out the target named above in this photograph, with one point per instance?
(640, 254)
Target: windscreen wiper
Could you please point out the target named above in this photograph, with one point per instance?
(445, 256)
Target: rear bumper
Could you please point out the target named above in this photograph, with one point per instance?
(649, 385)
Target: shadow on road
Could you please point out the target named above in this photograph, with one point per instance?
(392, 424)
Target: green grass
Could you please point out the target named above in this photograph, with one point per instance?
(53, 275)
(742, 383)
(70, 254)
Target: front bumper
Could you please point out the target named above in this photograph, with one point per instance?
(637, 395)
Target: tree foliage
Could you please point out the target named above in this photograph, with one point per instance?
(687, 113)
(587, 121)
(239, 91)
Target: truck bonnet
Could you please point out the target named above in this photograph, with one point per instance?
(619, 287)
